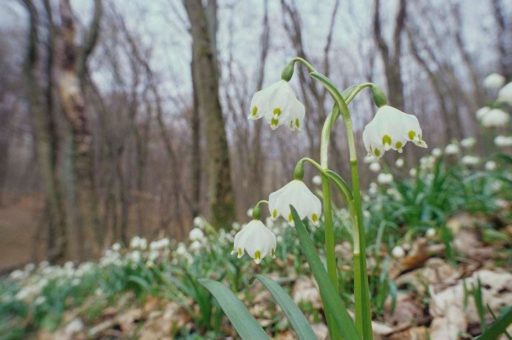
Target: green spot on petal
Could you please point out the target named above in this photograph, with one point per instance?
(277, 112)
(254, 111)
(411, 135)
(386, 139)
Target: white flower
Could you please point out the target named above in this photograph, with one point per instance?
(436, 152)
(494, 81)
(196, 245)
(391, 129)
(399, 163)
(317, 180)
(413, 172)
(468, 142)
(196, 234)
(505, 94)
(482, 111)
(369, 158)
(278, 105)
(470, 160)
(375, 167)
(297, 194)
(385, 178)
(503, 141)
(495, 118)
(198, 222)
(138, 242)
(116, 247)
(490, 165)
(452, 149)
(431, 233)
(373, 188)
(256, 240)
(398, 252)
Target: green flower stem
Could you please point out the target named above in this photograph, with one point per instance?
(304, 62)
(356, 91)
(361, 293)
(256, 210)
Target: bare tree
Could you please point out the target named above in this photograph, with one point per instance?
(391, 56)
(206, 78)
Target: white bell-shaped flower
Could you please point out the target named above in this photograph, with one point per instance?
(494, 81)
(278, 105)
(503, 141)
(495, 118)
(298, 195)
(505, 94)
(391, 129)
(256, 240)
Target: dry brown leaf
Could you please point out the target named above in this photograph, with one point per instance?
(305, 290)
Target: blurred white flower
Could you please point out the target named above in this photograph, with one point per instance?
(468, 142)
(181, 249)
(494, 81)
(398, 252)
(452, 149)
(116, 247)
(373, 188)
(413, 172)
(394, 193)
(297, 194)
(495, 118)
(369, 158)
(482, 111)
(196, 245)
(490, 165)
(505, 94)
(249, 212)
(138, 243)
(470, 160)
(256, 240)
(503, 141)
(384, 178)
(399, 163)
(196, 234)
(278, 105)
(317, 180)
(198, 222)
(436, 152)
(431, 233)
(391, 129)
(427, 162)
(375, 167)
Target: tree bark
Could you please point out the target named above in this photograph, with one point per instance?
(45, 137)
(206, 77)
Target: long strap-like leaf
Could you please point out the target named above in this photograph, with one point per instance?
(499, 326)
(330, 298)
(298, 321)
(246, 326)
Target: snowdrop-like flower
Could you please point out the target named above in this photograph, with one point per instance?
(494, 81)
(198, 222)
(505, 94)
(317, 180)
(373, 188)
(278, 105)
(470, 160)
(452, 149)
(503, 141)
(468, 142)
(436, 152)
(196, 234)
(399, 163)
(482, 111)
(490, 165)
(413, 172)
(431, 233)
(398, 252)
(138, 242)
(495, 118)
(385, 178)
(391, 129)
(375, 167)
(256, 240)
(297, 194)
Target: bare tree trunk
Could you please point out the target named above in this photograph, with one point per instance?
(504, 38)
(45, 135)
(71, 80)
(391, 58)
(206, 75)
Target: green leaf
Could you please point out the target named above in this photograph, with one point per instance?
(246, 326)
(499, 326)
(298, 321)
(333, 305)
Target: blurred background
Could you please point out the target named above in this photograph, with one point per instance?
(122, 118)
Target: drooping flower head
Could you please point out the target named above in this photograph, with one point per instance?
(391, 129)
(298, 195)
(495, 118)
(505, 94)
(278, 105)
(256, 240)
(494, 81)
